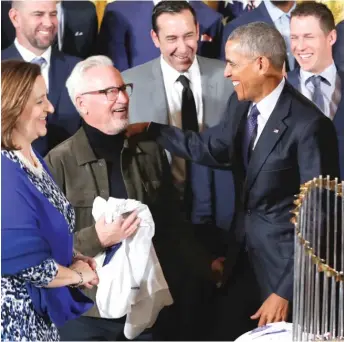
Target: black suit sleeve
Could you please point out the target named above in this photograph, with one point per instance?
(317, 155)
(210, 148)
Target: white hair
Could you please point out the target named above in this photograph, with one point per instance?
(75, 81)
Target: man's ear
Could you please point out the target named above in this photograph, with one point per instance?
(14, 17)
(80, 105)
(264, 64)
(332, 36)
(155, 39)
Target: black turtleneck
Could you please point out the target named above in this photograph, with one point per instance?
(109, 147)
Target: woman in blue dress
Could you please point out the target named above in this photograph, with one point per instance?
(39, 271)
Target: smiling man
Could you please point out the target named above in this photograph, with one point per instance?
(98, 160)
(36, 28)
(186, 90)
(273, 139)
(313, 35)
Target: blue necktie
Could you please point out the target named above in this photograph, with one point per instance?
(317, 96)
(39, 61)
(250, 134)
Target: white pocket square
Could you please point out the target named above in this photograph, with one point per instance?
(79, 33)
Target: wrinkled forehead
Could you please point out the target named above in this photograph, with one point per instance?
(102, 77)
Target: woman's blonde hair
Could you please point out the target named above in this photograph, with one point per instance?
(17, 82)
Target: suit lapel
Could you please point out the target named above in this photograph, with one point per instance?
(294, 78)
(57, 76)
(265, 14)
(272, 133)
(338, 119)
(13, 53)
(158, 95)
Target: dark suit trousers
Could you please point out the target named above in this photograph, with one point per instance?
(236, 303)
(97, 329)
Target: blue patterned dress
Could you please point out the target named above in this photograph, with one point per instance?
(19, 319)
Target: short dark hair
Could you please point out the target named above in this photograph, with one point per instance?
(317, 10)
(172, 7)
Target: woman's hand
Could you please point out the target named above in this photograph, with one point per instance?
(86, 259)
(92, 263)
(89, 276)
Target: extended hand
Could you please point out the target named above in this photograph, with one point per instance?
(136, 128)
(274, 309)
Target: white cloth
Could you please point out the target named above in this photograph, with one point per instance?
(280, 331)
(132, 283)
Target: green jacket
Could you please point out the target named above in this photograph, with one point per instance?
(147, 178)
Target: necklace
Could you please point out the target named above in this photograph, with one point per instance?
(36, 169)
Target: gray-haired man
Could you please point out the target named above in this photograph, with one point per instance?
(98, 160)
(274, 139)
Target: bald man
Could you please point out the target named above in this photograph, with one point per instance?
(36, 27)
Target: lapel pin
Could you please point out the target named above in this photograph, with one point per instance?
(276, 130)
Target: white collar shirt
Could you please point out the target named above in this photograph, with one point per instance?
(331, 91)
(28, 56)
(266, 107)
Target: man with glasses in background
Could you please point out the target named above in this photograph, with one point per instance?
(99, 161)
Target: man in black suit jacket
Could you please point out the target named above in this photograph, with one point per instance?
(273, 139)
(36, 27)
(78, 29)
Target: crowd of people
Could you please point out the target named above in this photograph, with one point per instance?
(213, 125)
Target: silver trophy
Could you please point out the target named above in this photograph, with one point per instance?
(318, 305)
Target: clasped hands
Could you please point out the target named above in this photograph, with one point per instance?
(109, 234)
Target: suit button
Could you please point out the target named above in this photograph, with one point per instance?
(248, 212)
(100, 163)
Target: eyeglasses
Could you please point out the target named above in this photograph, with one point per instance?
(112, 93)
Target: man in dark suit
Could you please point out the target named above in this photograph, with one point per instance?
(77, 27)
(235, 8)
(338, 48)
(276, 13)
(36, 27)
(125, 32)
(313, 34)
(207, 196)
(273, 139)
